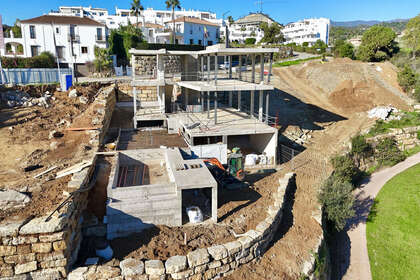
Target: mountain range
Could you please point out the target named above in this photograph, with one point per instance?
(355, 23)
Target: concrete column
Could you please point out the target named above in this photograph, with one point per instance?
(159, 97)
(160, 67)
(230, 66)
(186, 98)
(225, 60)
(251, 110)
(270, 69)
(208, 68)
(214, 204)
(135, 106)
(215, 107)
(208, 104)
(202, 67)
(230, 98)
(262, 68)
(216, 69)
(239, 100)
(260, 106)
(267, 107)
(240, 68)
(253, 68)
(202, 101)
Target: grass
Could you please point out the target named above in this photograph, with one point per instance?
(393, 231)
(294, 62)
(412, 151)
(381, 127)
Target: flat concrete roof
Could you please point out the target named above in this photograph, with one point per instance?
(223, 85)
(161, 52)
(229, 122)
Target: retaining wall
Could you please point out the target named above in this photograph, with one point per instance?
(34, 248)
(146, 65)
(405, 137)
(206, 263)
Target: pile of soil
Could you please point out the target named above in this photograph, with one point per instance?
(25, 141)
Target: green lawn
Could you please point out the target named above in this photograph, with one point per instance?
(294, 62)
(393, 228)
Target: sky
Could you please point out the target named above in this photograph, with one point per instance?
(283, 11)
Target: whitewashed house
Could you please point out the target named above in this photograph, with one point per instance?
(71, 39)
(193, 31)
(307, 30)
(249, 27)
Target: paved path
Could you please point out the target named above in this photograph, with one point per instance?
(352, 260)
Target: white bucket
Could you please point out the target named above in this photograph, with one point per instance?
(194, 214)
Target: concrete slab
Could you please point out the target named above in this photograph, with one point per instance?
(223, 85)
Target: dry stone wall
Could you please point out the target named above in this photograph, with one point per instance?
(146, 65)
(406, 138)
(205, 263)
(38, 248)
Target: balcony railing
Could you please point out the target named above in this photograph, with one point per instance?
(100, 38)
(73, 38)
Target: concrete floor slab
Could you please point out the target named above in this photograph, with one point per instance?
(223, 85)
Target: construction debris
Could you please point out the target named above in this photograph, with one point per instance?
(45, 172)
(73, 169)
(73, 93)
(382, 112)
(11, 199)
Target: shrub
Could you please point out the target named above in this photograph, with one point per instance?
(345, 50)
(337, 200)
(250, 41)
(345, 169)
(44, 60)
(407, 78)
(387, 152)
(360, 147)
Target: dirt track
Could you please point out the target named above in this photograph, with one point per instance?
(337, 94)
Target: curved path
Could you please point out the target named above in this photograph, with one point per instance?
(351, 245)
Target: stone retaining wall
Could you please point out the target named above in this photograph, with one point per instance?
(34, 248)
(146, 65)
(206, 263)
(405, 137)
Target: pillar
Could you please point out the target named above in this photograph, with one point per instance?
(202, 101)
(215, 107)
(202, 67)
(135, 105)
(267, 107)
(214, 204)
(251, 110)
(240, 68)
(253, 69)
(230, 66)
(208, 68)
(260, 106)
(216, 69)
(239, 100)
(208, 104)
(270, 69)
(262, 68)
(230, 98)
(186, 98)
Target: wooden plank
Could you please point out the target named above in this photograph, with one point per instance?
(81, 128)
(73, 169)
(45, 172)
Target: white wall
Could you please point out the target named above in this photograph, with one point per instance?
(308, 30)
(192, 31)
(218, 151)
(265, 143)
(44, 39)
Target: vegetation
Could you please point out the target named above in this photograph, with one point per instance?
(272, 33)
(408, 119)
(102, 60)
(136, 8)
(16, 29)
(345, 169)
(44, 60)
(343, 49)
(319, 47)
(407, 78)
(377, 44)
(294, 62)
(250, 41)
(387, 152)
(412, 35)
(173, 4)
(392, 231)
(230, 19)
(359, 147)
(337, 200)
(121, 40)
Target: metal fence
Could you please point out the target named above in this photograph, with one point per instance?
(32, 75)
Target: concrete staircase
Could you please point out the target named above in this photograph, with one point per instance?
(133, 209)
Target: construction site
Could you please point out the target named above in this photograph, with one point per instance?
(187, 171)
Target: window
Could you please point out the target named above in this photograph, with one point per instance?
(60, 51)
(199, 42)
(99, 34)
(191, 41)
(210, 43)
(84, 49)
(32, 31)
(57, 30)
(34, 50)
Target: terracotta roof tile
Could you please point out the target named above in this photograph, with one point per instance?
(48, 19)
(194, 20)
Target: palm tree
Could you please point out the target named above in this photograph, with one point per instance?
(136, 8)
(173, 4)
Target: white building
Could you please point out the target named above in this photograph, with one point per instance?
(249, 27)
(307, 30)
(194, 31)
(71, 39)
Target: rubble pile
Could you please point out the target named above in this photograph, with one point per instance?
(383, 113)
(22, 99)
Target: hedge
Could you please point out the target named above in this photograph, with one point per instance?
(44, 60)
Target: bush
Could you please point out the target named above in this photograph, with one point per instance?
(387, 152)
(407, 78)
(337, 200)
(44, 60)
(345, 50)
(250, 41)
(345, 169)
(360, 147)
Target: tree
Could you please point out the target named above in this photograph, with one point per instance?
(102, 60)
(230, 20)
(124, 38)
(337, 200)
(136, 9)
(377, 44)
(173, 4)
(272, 33)
(407, 78)
(319, 46)
(250, 41)
(345, 169)
(17, 31)
(343, 49)
(412, 35)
